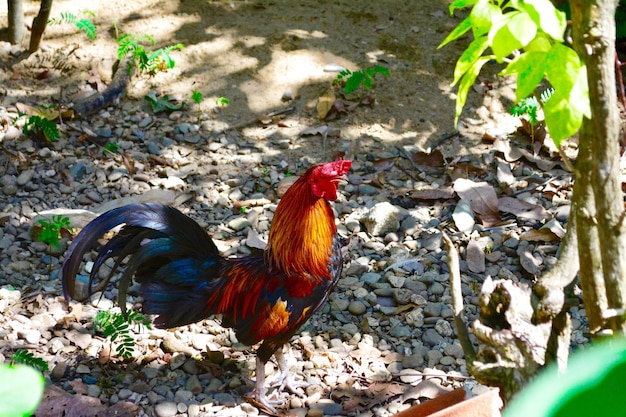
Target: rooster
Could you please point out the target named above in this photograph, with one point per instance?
(265, 297)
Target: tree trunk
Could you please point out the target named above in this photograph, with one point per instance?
(593, 29)
(39, 25)
(16, 21)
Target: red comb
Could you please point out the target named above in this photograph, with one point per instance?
(336, 168)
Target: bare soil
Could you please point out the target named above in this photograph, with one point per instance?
(256, 52)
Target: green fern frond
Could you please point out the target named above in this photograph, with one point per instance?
(116, 327)
(27, 358)
(87, 27)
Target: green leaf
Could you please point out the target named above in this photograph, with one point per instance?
(21, 389)
(159, 104)
(379, 69)
(530, 68)
(563, 67)
(541, 43)
(457, 32)
(354, 81)
(513, 32)
(593, 385)
(466, 83)
(196, 96)
(483, 14)
(469, 56)
(27, 358)
(460, 4)
(87, 27)
(563, 118)
(546, 17)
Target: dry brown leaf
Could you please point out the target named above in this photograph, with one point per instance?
(555, 227)
(475, 257)
(443, 193)
(503, 172)
(527, 260)
(522, 209)
(510, 153)
(482, 198)
(58, 403)
(433, 159)
(463, 217)
(541, 163)
(463, 169)
(541, 235)
(325, 103)
(384, 164)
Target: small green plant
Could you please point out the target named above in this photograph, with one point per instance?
(85, 24)
(117, 328)
(529, 107)
(354, 80)
(157, 60)
(51, 229)
(160, 104)
(243, 209)
(111, 147)
(27, 358)
(222, 102)
(197, 98)
(42, 127)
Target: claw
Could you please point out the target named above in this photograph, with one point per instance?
(258, 396)
(286, 378)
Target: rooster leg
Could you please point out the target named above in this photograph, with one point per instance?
(257, 397)
(286, 377)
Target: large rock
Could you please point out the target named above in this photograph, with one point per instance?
(383, 218)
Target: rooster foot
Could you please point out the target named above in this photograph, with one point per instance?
(286, 378)
(258, 396)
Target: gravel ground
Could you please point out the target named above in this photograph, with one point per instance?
(383, 342)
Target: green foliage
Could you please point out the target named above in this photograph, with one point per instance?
(27, 358)
(85, 24)
(117, 328)
(530, 106)
(356, 79)
(528, 37)
(160, 104)
(111, 147)
(591, 386)
(197, 97)
(222, 102)
(157, 60)
(21, 390)
(51, 229)
(43, 125)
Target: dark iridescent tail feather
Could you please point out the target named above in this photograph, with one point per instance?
(172, 257)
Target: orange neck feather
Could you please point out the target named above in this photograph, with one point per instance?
(302, 231)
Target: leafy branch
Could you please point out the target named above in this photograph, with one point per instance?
(85, 24)
(27, 358)
(528, 37)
